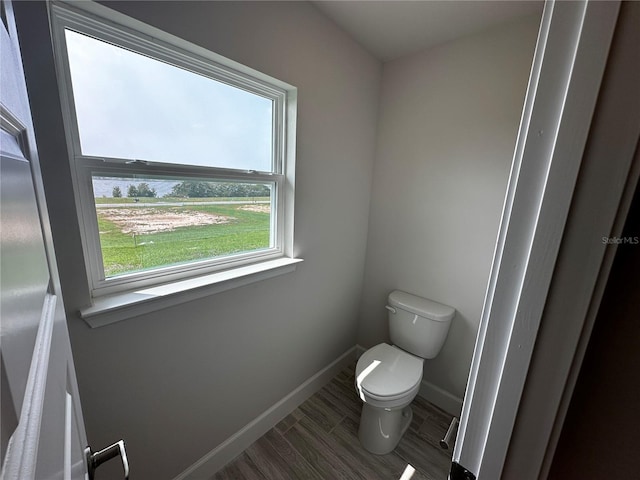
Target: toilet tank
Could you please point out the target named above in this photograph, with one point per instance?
(418, 325)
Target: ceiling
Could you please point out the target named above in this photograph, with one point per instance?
(393, 29)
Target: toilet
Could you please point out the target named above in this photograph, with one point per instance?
(388, 376)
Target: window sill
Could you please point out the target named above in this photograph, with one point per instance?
(114, 308)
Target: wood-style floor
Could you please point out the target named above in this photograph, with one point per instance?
(319, 440)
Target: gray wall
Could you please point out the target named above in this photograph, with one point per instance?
(176, 383)
(448, 122)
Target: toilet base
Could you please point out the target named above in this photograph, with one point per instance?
(381, 429)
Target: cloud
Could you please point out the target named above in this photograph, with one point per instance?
(132, 106)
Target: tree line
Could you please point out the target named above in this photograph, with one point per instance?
(198, 189)
(142, 190)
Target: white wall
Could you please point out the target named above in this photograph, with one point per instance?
(178, 382)
(447, 128)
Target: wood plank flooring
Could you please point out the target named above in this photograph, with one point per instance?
(319, 441)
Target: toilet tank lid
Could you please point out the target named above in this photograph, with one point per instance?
(421, 306)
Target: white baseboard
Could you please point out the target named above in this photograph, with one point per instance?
(432, 393)
(441, 398)
(217, 458)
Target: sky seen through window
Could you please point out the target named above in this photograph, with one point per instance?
(135, 107)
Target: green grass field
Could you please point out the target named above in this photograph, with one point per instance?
(129, 252)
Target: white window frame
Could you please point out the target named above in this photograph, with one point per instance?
(107, 25)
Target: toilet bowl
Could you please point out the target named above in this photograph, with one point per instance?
(387, 381)
(388, 377)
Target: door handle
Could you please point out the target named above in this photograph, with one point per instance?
(95, 459)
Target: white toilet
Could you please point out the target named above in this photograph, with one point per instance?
(388, 376)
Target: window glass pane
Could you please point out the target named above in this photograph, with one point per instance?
(135, 107)
(145, 223)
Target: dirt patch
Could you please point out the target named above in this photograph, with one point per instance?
(260, 208)
(141, 221)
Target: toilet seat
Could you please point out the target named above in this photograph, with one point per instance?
(386, 373)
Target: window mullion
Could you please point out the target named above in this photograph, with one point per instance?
(143, 167)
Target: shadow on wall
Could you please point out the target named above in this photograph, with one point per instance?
(598, 436)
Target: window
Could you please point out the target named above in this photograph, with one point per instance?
(182, 160)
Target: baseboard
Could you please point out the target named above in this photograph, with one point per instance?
(441, 398)
(432, 393)
(217, 458)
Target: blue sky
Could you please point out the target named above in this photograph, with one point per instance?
(132, 106)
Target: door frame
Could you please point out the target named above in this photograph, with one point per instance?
(550, 189)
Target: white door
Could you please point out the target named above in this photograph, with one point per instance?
(42, 430)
